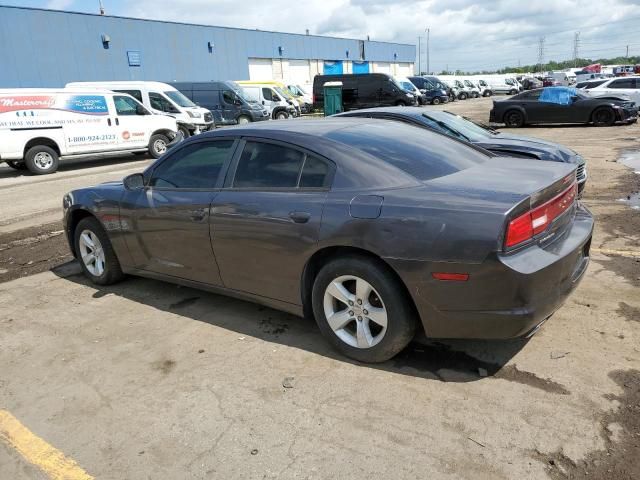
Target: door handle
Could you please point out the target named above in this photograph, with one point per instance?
(117, 121)
(300, 217)
(198, 215)
(109, 121)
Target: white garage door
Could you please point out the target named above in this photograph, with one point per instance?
(299, 72)
(260, 69)
(405, 69)
(382, 67)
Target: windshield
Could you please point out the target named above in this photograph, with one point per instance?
(302, 90)
(469, 84)
(455, 124)
(179, 98)
(483, 83)
(395, 82)
(407, 85)
(459, 84)
(284, 94)
(241, 92)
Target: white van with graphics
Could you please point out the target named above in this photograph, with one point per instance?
(160, 98)
(40, 126)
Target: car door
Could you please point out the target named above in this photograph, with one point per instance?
(530, 101)
(229, 103)
(266, 221)
(131, 122)
(167, 223)
(625, 86)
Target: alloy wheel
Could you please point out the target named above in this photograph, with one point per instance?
(91, 253)
(355, 311)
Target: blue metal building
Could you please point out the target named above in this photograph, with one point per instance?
(47, 48)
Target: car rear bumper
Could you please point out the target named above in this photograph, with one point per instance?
(506, 296)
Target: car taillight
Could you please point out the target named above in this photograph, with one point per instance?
(537, 220)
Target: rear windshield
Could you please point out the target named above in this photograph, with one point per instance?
(414, 150)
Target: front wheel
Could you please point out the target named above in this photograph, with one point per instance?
(435, 101)
(158, 145)
(514, 119)
(462, 96)
(16, 165)
(185, 131)
(282, 115)
(604, 117)
(41, 160)
(243, 120)
(362, 310)
(95, 253)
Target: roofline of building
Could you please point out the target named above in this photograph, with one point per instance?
(17, 7)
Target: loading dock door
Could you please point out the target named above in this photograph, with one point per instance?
(299, 72)
(360, 67)
(332, 67)
(260, 69)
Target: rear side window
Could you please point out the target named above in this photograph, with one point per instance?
(414, 150)
(137, 94)
(194, 166)
(265, 165)
(206, 98)
(315, 173)
(623, 83)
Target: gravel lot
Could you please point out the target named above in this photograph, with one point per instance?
(149, 380)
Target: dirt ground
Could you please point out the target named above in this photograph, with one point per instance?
(149, 380)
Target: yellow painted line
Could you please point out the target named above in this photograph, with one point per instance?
(621, 253)
(38, 452)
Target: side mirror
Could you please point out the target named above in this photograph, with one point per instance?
(134, 181)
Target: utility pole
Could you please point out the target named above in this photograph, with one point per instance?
(419, 55)
(576, 47)
(540, 53)
(627, 51)
(101, 7)
(428, 32)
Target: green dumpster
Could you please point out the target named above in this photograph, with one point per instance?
(332, 98)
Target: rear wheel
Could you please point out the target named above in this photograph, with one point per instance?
(514, 119)
(462, 96)
(282, 115)
(243, 120)
(41, 160)
(435, 101)
(16, 165)
(95, 253)
(513, 92)
(401, 104)
(603, 117)
(158, 145)
(362, 310)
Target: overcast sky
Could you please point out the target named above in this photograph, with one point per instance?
(464, 34)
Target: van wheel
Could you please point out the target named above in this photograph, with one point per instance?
(243, 120)
(282, 115)
(462, 96)
(362, 310)
(16, 165)
(435, 101)
(185, 132)
(41, 160)
(158, 145)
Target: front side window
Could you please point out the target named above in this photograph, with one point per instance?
(267, 93)
(137, 94)
(266, 165)
(159, 102)
(229, 97)
(195, 166)
(128, 106)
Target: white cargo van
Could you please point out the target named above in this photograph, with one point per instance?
(40, 126)
(275, 103)
(161, 98)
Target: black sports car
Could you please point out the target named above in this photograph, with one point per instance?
(502, 144)
(562, 105)
(373, 227)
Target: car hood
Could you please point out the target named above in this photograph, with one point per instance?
(505, 143)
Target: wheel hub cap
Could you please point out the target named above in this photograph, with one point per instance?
(355, 312)
(91, 253)
(43, 160)
(160, 146)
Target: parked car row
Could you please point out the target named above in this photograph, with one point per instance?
(377, 228)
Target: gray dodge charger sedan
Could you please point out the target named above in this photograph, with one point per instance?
(376, 228)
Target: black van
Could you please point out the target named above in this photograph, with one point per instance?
(433, 93)
(363, 90)
(225, 99)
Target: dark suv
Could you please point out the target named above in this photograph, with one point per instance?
(364, 90)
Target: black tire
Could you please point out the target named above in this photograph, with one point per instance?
(514, 119)
(155, 145)
(513, 92)
(462, 96)
(243, 120)
(41, 160)
(185, 131)
(16, 165)
(400, 103)
(281, 115)
(435, 101)
(401, 317)
(112, 271)
(603, 117)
